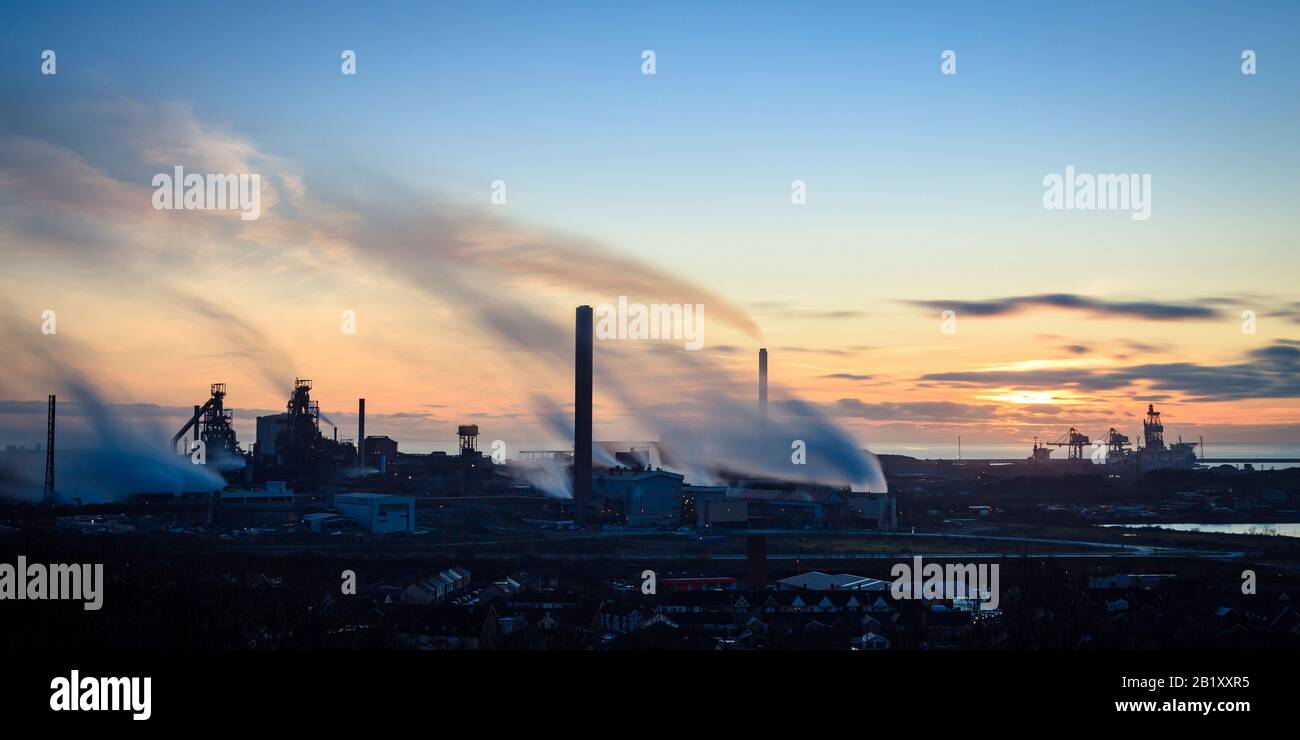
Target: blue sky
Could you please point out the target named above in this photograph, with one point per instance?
(922, 187)
(549, 96)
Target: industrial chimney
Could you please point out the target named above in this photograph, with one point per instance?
(361, 433)
(582, 414)
(49, 457)
(762, 397)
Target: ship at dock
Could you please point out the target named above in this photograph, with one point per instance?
(1116, 453)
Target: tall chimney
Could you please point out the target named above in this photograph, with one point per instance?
(361, 432)
(582, 414)
(49, 456)
(762, 395)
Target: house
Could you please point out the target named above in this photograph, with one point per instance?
(620, 618)
(696, 602)
(870, 641)
(699, 583)
(947, 626)
(436, 588)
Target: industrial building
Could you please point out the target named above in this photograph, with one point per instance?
(881, 508)
(796, 507)
(639, 497)
(708, 506)
(291, 447)
(268, 430)
(292, 468)
(274, 492)
(327, 522)
(212, 424)
(380, 450)
(725, 513)
(377, 513)
(817, 581)
(804, 506)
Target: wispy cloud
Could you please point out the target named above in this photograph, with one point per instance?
(903, 411)
(848, 376)
(1149, 310)
(815, 351)
(490, 275)
(1267, 372)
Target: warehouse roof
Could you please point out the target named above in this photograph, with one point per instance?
(818, 581)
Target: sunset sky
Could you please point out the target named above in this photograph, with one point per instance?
(924, 194)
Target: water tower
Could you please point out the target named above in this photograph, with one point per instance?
(468, 440)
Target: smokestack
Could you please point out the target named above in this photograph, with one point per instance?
(582, 414)
(361, 432)
(49, 457)
(196, 426)
(762, 395)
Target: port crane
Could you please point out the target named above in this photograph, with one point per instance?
(1075, 441)
(1116, 442)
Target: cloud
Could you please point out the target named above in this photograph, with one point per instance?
(244, 342)
(814, 351)
(488, 275)
(1268, 372)
(903, 411)
(1290, 312)
(848, 376)
(1149, 310)
(820, 315)
(1021, 379)
(80, 409)
(1145, 347)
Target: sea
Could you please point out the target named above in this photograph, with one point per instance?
(1255, 454)
(1279, 529)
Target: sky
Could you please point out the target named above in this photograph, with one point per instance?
(924, 193)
